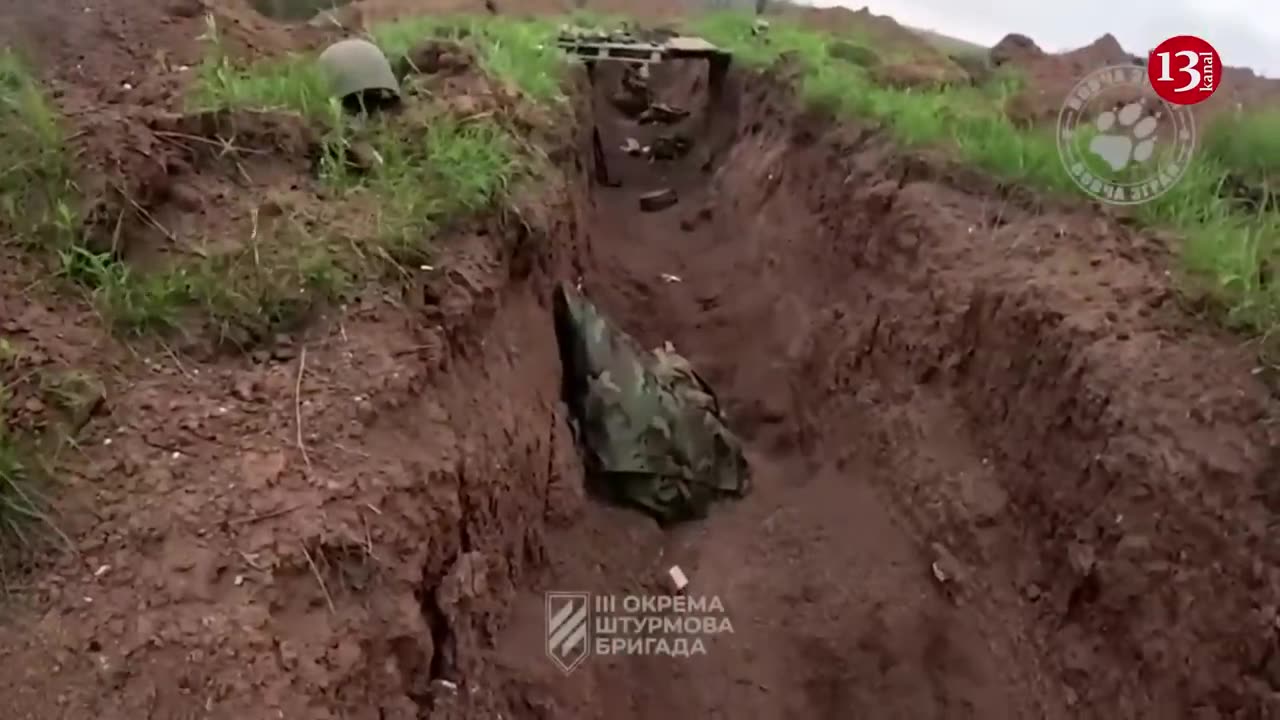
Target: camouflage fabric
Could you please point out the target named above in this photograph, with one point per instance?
(651, 429)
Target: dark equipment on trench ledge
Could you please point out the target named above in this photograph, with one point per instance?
(638, 50)
(650, 429)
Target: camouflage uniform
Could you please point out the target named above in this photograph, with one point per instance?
(651, 429)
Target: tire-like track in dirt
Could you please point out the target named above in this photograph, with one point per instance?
(928, 377)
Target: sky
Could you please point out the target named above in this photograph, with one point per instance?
(1246, 33)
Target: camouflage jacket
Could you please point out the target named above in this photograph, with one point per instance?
(651, 429)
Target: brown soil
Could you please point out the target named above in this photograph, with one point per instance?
(936, 377)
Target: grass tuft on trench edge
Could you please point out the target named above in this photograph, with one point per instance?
(426, 178)
(25, 513)
(36, 188)
(1228, 251)
(37, 211)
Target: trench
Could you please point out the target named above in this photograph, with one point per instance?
(940, 461)
(993, 480)
(829, 590)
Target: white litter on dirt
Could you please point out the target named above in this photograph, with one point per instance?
(678, 578)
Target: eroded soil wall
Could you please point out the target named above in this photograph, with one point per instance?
(1002, 387)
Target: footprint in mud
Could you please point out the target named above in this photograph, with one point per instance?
(1123, 137)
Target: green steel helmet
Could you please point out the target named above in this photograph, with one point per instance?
(358, 66)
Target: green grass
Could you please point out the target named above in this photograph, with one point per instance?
(16, 505)
(292, 84)
(423, 179)
(1229, 253)
(36, 190)
(243, 297)
(1248, 144)
(521, 53)
(969, 119)
(24, 511)
(20, 506)
(428, 176)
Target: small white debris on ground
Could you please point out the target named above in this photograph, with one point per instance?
(947, 569)
(678, 580)
(940, 574)
(668, 277)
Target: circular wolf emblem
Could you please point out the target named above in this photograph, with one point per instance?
(1118, 141)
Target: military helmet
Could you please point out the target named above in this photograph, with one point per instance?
(358, 66)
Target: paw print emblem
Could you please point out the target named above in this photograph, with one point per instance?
(1108, 142)
(1124, 137)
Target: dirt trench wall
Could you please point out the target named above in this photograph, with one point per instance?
(335, 535)
(488, 434)
(1124, 449)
